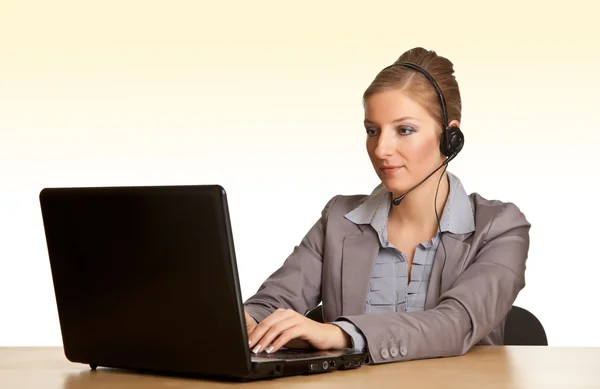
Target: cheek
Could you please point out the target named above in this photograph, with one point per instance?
(371, 145)
(422, 151)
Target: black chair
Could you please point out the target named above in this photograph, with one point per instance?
(522, 327)
(316, 314)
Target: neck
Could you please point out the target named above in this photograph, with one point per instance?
(416, 209)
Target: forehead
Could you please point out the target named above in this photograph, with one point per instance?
(391, 104)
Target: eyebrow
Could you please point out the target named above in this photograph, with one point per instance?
(367, 121)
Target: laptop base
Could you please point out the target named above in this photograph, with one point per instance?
(330, 361)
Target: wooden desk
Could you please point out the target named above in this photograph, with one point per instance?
(483, 367)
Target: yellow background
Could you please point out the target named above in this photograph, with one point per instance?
(264, 98)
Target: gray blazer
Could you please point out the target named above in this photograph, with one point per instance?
(468, 297)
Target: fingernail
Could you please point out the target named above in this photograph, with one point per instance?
(270, 349)
(249, 343)
(256, 349)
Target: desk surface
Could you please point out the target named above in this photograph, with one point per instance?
(483, 367)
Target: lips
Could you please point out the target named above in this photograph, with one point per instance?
(390, 169)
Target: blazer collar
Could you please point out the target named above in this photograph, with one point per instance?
(457, 216)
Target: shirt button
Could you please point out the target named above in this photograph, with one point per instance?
(394, 352)
(385, 353)
(403, 350)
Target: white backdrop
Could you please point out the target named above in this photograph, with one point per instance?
(265, 100)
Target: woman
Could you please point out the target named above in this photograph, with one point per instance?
(417, 269)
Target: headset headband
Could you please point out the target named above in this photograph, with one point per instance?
(432, 81)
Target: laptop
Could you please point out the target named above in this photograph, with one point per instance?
(145, 278)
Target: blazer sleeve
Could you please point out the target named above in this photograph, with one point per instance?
(472, 308)
(297, 283)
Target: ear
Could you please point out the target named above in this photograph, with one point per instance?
(454, 123)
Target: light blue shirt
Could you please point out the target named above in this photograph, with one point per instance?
(389, 289)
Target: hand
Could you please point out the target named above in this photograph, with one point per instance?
(286, 327)
(250, 323)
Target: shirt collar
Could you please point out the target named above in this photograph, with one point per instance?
(457, 216)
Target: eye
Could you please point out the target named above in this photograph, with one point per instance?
(371, 131)
(404, 131)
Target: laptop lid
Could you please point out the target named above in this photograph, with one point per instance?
(146, 278)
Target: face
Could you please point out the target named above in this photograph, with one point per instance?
(402, 140)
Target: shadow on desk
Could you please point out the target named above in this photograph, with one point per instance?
(117, 378)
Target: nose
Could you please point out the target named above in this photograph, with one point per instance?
(386, 144)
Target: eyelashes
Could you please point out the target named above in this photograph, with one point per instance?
(402, 131)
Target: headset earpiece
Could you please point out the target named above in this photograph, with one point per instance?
(452, 141)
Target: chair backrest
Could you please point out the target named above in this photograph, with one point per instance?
(316, 314)
(522, 327)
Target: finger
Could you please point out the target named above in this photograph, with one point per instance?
(265, 336)
(291, 333)
(261, 329)
(277, 316)
(274, 331)
(250, 328)
(250, 323)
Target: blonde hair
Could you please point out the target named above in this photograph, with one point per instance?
(418, 87)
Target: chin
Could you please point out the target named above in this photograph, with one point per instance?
(394, 185)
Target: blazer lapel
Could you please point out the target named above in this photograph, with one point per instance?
(446, 268)
(359, 253)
